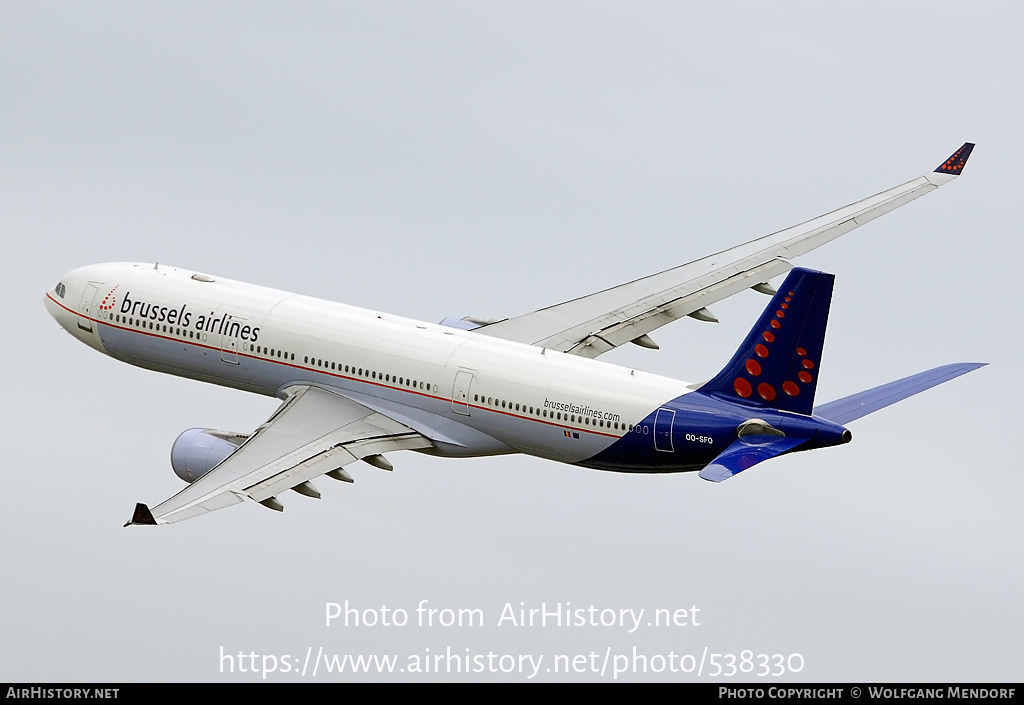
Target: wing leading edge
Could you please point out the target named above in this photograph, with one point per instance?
(312, 433)
(594, 324)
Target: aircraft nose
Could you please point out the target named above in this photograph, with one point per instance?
(56, 311)
(51, 308)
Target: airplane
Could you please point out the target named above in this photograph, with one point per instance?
(356, 384)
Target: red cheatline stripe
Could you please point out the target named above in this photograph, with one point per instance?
(330, 374)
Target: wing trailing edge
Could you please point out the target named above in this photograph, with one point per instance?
(778, 363)
(314, 432)
(591, 325)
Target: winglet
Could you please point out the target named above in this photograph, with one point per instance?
(955, 164)
(142, 516)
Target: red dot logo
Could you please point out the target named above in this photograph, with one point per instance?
(753, 367)
(761, 350)
(766, 391)
(774, 324)
(807, 364)
(742, 387)
(109, 301)
(804, 377)
(768, 336)
(790, 388)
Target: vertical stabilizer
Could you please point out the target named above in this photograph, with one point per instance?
(777, 365)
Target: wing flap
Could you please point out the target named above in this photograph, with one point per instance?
(376, 434)
(632, 323)
(313, 432)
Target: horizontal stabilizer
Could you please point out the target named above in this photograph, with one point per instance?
(594, 324)
(842, 411)
(746, 453)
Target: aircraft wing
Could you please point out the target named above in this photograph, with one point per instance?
(594, 324)
(313, 432)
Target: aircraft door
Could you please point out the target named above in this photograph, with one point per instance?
(85, 307)
(663, 422)
(460, 392)
(231, 328)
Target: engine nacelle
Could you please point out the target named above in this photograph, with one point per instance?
(197, 451)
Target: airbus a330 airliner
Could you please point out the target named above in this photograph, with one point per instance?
(356, 384)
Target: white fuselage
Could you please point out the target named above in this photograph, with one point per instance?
(470, 394)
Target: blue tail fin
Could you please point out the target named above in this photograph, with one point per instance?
(777, 365)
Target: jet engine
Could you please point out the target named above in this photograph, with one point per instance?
(197, 451)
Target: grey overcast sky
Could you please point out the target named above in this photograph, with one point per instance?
(437, 158)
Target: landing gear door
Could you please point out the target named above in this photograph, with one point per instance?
(460, 392)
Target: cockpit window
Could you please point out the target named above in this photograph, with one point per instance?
(59, 289)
